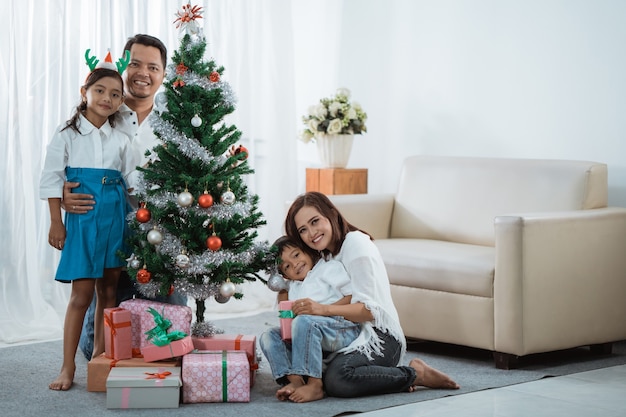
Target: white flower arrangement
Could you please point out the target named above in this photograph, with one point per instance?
(333, 116)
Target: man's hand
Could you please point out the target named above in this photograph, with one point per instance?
(76, 203)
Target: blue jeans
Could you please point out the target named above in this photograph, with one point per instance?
(354, 375)
(312, 336)
(125, 291)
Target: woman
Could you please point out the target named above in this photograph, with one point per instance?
(369, 365)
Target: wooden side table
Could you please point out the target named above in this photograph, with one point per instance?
(337, 180)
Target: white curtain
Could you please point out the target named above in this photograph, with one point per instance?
(42, 67)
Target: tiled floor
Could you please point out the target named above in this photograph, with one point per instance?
(600, 393)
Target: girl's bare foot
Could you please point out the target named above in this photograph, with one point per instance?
(285, 392)
(430, 377)
(64, 381)
(312, 391)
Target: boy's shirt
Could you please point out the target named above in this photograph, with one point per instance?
(326, 283)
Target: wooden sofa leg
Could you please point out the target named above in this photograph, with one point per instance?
(602, 349)
(505, 360)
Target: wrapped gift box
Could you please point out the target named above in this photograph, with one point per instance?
(210, 377)
(143, 388)
(98, 369)
(117, 333)
(245, 343)
(286, 318)
(142, 320)
(174, 349)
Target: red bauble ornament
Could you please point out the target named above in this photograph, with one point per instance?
(241, 152)
(143, 275)
(205, 200)
(143, 215)
(214, 242)
(171, 291)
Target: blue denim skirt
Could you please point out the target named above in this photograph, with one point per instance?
(94, 239)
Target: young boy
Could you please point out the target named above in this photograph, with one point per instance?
(297, 364)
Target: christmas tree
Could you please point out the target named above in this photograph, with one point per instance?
(195, 229)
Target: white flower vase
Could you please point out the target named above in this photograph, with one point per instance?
(334, 150)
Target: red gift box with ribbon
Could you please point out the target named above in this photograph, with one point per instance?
(245, 343)
(117, 333)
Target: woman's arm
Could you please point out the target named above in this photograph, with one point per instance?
(356, 312)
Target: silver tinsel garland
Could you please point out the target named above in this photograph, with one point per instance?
(190, 147)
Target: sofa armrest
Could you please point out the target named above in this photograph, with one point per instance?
(559, 273)
(369, 212)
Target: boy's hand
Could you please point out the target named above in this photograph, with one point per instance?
(76, 203)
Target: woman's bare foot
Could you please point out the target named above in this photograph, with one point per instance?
(285, 392)
(430, 377)
(64, 381)
(312, 391)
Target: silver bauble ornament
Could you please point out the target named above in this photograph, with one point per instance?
(185, 199)
(135, 264)
(182, 261)
(196, 121)
(228, 289)
(276, 283)
(221, 299)
(228, 197)
(160, 102)
(155, 237)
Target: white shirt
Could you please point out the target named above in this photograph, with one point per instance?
(326, 283)
(370, 286)
(105, 147)
(142, 138)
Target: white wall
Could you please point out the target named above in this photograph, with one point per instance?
(532, 79)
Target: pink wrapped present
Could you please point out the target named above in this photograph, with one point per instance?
(213, 377)
(246, 343)
(174, 349)
(286, 318)
(117, 333)
(143, 388)
(143, 321)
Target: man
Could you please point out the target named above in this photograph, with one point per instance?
(142, 79)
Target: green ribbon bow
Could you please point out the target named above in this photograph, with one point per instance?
(159, 334)
(286, 314)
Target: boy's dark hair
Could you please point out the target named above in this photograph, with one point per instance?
(148, 40)
(95, 75)
(284, 242)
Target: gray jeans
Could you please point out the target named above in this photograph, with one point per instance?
(354, 375)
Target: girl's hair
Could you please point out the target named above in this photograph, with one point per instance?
(340, 226)
(93, 77)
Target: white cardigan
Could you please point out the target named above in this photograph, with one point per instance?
(370, 286)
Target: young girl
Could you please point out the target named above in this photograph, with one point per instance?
(370, 364)
(87, 149)
(297, 364)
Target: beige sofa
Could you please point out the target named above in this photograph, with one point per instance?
(510, 255)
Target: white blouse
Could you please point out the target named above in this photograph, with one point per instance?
(105, 147)
(370, 286)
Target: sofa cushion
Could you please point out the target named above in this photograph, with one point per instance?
(457, 199)
(439, 266)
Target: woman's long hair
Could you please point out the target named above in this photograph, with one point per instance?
(340, 226)
(95, 75)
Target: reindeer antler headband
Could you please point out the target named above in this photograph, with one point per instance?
(120, 65)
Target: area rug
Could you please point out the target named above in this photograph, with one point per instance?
(28, 369)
